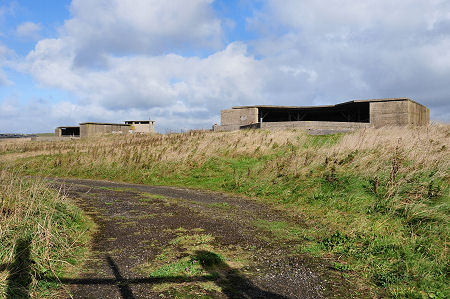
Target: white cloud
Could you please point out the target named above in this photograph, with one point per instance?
(360, 49)
(122, 27)
(126, 60)
(118, 60)
(29, 30)
(145, 81)
(5, 53)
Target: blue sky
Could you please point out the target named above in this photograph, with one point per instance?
(50, 14)
(181, 61)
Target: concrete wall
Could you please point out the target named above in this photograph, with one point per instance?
(419, 115)
(58, 132)
(226, 128)
(320, 125)
(88, 130)
(143, 128)
(398, 113)
(392, 113)
(239, 117)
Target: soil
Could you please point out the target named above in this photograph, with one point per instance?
(144, 232)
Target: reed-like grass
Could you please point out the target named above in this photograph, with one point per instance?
(42, 235)
(376, 200)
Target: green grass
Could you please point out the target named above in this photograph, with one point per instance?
(190, 262)
(42, 236)
(378, 214)
(281, 230)
(187, 266)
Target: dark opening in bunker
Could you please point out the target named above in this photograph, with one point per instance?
(346, 112)
(137, 122)
(70, 131)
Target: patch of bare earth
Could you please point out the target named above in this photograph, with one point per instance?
(164, 242)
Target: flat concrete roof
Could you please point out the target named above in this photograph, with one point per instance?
(93, 123)
(325, 106)
(68, 127)
(152, 121)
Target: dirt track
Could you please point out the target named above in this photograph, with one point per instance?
(165, 242)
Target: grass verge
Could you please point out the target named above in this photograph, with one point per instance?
(43, 237)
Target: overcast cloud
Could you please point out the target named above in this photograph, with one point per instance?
(172, 61)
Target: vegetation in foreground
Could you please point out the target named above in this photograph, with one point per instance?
(42, 236)
(375, 202)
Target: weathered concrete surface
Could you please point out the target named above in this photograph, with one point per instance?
(418, 114)
(319, 125)
(389, 113)
(139, 126)
(232, 119)
(398, 113)
(143, 128)
(96, 129)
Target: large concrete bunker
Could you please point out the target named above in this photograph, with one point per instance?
(341, 117)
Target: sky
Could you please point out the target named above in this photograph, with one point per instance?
(180, 62)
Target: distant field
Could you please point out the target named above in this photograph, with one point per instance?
(15, 140)
(375, 202)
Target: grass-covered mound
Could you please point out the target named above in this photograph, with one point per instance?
(375, 202)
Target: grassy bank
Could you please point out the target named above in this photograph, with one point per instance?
(374, 202)
(43, 237)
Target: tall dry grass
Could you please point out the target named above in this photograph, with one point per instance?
(423, 146)
(40, 232)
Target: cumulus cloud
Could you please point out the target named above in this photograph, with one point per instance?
(128, 60)
(121, 27)
(361, 49)
(29, 30)
(146, 81)
(124, 72)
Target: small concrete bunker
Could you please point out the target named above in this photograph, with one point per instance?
(89, 129)
(141, 126)
(340, 117)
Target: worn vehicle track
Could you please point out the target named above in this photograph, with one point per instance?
(146, 233)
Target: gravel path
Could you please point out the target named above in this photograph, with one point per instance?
(145, 232)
